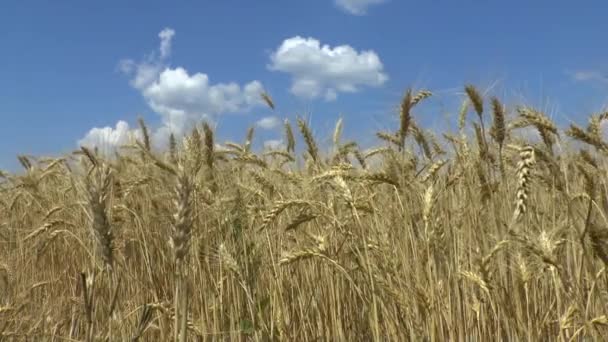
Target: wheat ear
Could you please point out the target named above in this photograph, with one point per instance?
(524, 170)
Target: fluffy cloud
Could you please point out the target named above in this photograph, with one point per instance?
(274, 144)
(357, 7)
(165, 42)
(176, 90)
(268, 122)
(182, 98)
(107, 139)
(320, 70)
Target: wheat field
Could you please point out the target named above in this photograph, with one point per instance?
(448, 236)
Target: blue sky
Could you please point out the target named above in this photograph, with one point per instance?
(68, 67)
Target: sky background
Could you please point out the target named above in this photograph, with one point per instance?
(81, 72)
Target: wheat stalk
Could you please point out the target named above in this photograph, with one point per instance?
(181, 233)
(267, 99)
(475, 98)
(405, 117)
(289, 137)
(524, 170)
(498, 130)
(98, 192)
(144, 133)
(313, 150)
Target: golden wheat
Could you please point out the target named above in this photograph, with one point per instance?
(397, 242)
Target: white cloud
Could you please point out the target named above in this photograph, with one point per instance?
(604, 129)
(175, 89)
(165, 42)
(182, 98)
(144, 73)
(320, 70)
(274, 144)
(528, 133)
(589, 75)
(268, 122)
(357, 7)
(107, 139)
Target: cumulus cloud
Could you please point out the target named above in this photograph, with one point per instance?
(320, 70)
(183, 98)
(108, 139)
(357, 7)
(274, 144)
(268, 122)
(176, 89)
